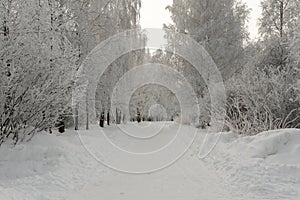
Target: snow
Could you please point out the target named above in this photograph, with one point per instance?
(265, 166)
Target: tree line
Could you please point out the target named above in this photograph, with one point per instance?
(261, 77)
(43, 43)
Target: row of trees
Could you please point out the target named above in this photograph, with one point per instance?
(261, 78)
(220, 27)
(110, 78)
(43, 43)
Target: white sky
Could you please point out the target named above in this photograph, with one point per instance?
(154, 15)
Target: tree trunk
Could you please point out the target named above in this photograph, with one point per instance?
(108, 118)
(281, 18)
(117, 116)
(87, 112)
(101, 121)
(76, 117)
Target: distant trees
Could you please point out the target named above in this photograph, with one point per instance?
(146, 99)
(110, 78)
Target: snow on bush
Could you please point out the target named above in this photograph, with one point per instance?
(36, 74)
(262, 99)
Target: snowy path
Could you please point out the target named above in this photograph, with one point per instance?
(187, 178)
(178, 182)
(59, 167)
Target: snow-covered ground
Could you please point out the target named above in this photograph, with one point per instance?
(266, 166)
(57, 167)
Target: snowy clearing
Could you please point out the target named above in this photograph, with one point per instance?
(266, 166)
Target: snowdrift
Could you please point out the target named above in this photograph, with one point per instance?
(266, 165)
(47, 167)
(278, 146)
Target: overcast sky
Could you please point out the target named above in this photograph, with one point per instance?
(153, 14)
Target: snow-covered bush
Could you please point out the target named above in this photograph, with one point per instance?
(263, 99)
(36, 73)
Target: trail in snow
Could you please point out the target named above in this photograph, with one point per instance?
(188, 178)
(59, 167)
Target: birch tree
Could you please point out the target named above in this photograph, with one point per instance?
(219, 25)
(277, 24)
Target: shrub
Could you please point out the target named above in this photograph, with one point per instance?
(263, 99)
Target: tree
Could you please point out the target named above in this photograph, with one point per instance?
(98, 21)
(277, 24)
(37, 71)
(279, 18)
(219, 25)
(110, 78)
(295, 46)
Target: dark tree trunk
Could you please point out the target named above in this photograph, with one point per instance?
(101, 122)
(61, 127)
(138, 116)
(108, 118)
(281, 19)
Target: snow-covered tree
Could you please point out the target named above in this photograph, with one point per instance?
(279, 17)
(219, 25)
(277, 24)
(95, 21)
(37, 68)
(295, 45)
(110, 78)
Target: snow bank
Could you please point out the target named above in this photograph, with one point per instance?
(47, 167)
(34, 158)
(265, 166)
(278, 146)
